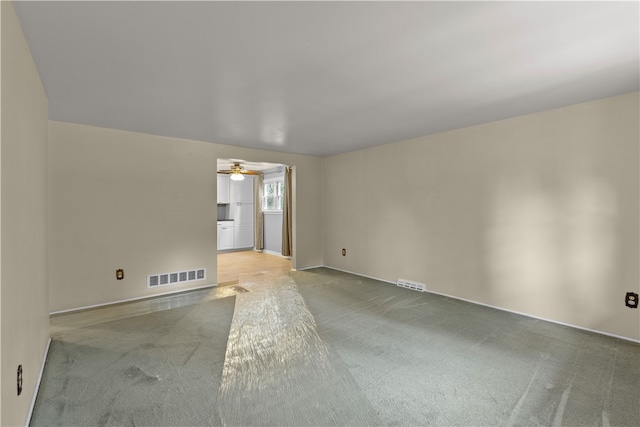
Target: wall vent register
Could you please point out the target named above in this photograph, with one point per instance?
(415, 286)
(164, 279)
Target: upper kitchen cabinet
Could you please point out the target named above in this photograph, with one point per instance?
(242, 190)
(224, 193)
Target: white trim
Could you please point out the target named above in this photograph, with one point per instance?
(278, 197)
(595, 331)
(362, 275)
(309, 268)
(279, 178)
(570, 325)
(267, 251)
(38, 381)
(272, 212)
(132, 299)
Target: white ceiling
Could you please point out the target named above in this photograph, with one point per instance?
(321, 78)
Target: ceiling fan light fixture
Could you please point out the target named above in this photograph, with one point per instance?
(236, 176)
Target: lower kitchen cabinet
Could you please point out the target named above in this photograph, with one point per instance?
(243, 236)
(226, 236)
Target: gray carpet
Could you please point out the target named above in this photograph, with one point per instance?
(423, 359)
(328, 348)
(159, 369)
(277, 371)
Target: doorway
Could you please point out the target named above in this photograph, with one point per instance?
(250, 216)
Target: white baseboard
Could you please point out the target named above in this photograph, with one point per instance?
(132, 299)
(309, 268)
(570, 325)
(595, 331)
(267, 251)
(361, 275)
(38, 381)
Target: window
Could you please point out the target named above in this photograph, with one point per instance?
(272, 198)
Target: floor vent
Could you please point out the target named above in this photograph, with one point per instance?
(164, 279)
(420, 287)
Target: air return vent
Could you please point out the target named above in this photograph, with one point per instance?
(420, 287)
(164, 279)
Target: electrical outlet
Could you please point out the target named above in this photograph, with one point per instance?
(19, 380)
(119, 274)
(631, 300)
(344, 252)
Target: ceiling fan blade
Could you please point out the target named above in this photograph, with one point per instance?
(238, 168)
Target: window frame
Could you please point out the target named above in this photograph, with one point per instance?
(278, 198)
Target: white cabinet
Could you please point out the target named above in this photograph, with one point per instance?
(243, 225)
(225, 235)
(236, 234)
(243, 236)
(242, 191)
(224, 193)
(243, 212)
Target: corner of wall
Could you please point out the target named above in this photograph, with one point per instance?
(1, 30)
(24, 319)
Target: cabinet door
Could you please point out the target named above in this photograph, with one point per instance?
(243, 236)
(223, 189)
(225, 237)
(243, 214)
(242, 191)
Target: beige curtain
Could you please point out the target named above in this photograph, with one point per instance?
(257, 203)
(286, 214)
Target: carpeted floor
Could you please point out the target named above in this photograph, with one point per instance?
(323, 347)
(159, 369)
(423, 359)
(277, 370)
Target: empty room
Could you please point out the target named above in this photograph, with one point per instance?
(319, 213)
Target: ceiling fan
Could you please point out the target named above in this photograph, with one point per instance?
(237, 172)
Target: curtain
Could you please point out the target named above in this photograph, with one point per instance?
(286, 214)
(257, 203)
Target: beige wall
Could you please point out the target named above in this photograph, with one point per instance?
(307, 186)
(23, 279)
(146, 204)
(536, 214)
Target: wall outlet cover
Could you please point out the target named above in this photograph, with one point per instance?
(631, 300)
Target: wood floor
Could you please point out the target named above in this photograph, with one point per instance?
(232, 264)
